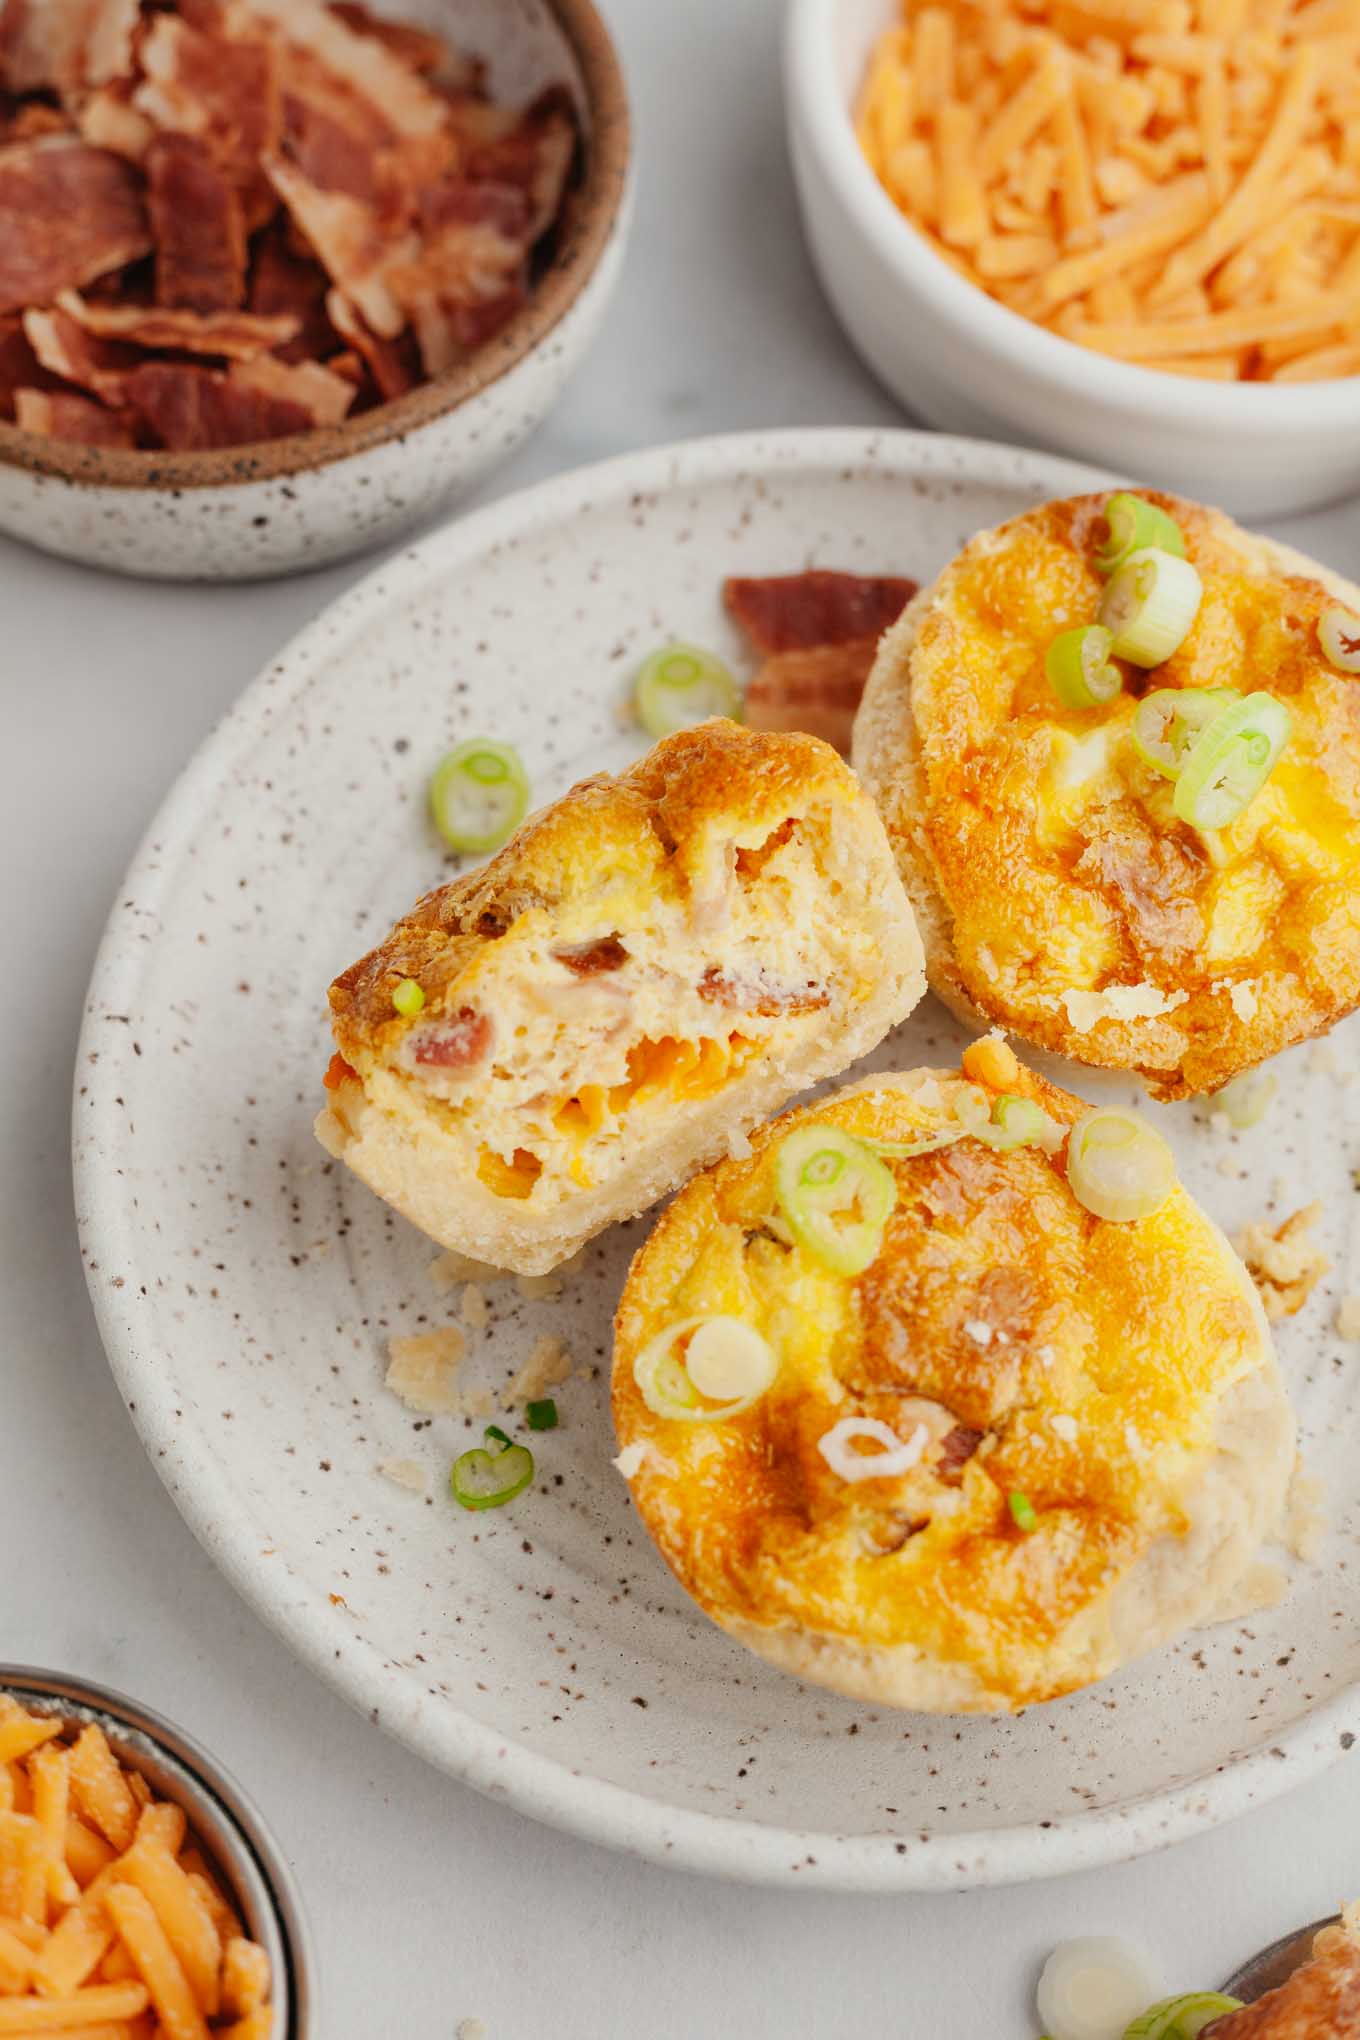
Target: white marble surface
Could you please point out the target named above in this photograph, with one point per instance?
(428, 1904)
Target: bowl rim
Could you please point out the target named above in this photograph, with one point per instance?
(598, 214)
(80, 1699)
(1062, 365)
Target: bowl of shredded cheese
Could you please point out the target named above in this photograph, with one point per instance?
(1127, 229)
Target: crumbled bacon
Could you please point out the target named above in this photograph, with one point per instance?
(816, 691)
(70, 213)
(61, 414)
(589, 959)
(230, 336)
(455, 1043)
(322, 191)
(198, 225)
(957, 1449)
(183, 406)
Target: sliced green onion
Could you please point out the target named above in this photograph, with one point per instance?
(835, 1194)
(1150, 605)
(1133, 525)
(1231, 760)
(408, 998)
(1023, 1512)
(680, 685)
(1339, 636)
(1182, 2018)
(1246, 1100)
(1019, 1122)
(485, 1480)
(542, 1416)
(733, 1367)
(479, 795)
(1118, 1166)
(1091, 1988)
(501, 1437)
(1078, 667)
(1167, 721)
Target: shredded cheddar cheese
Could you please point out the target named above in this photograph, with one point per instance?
(1170, 182)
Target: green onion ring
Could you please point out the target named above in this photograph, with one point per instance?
(1167, 722)
(479, 794)
(1231, 760)
(1134, 524)
(1149, 606)
(1078, 667)
(835, 1194)
(680, 685)
(486, 1480)
(1183, 2017)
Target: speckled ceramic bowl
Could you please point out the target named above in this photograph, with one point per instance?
(246, 1285)
(289, 504)
(223, 1821)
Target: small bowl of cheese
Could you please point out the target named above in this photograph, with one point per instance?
(1128, 233)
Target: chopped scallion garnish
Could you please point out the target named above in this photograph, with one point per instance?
(408, 998)
(479, 795)
(702, 1370)
(1023, 1512)
(1167, 722)
(542, 1416)
(1230, 761)
(1118, 1166)
(1078, 667)
(1150, 605)
(836, 1195)
(1339, 636)
(484, 1480)
(680, 685)
(1183, 2017)
(1132, 525)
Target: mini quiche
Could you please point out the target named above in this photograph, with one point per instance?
(948, 1397)
(1118, 756)
(648, 968)
(1320, 2001)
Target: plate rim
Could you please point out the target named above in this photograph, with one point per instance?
(543, 1787)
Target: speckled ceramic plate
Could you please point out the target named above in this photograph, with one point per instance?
(246, 1287)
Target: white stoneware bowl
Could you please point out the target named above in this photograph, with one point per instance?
(967, 364)
(241, 513)
(246, 1285)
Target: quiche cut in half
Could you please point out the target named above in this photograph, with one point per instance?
(649, 967)
(1149, 860)
(948, 1397)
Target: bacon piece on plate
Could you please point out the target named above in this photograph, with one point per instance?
(284, 282)
(393, 364)
(71, 45)
(66, 350)
(198, 226)
(323, 395)
(71, 213)
(237, 336)
(61, 414)
(818, 633)
(351, 241)
(791, 612)
(226, 93)
(417, 48)
(183, 406)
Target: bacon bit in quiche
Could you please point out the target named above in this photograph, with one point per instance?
(198, 225)
(339, 1072)
(958, 1448)
(341, 175)
(70, 214)
(759, 995)
(457, 1042)
(818, 634)
(1286, 1264)
(588, 959)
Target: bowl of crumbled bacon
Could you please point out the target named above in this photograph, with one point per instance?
(277, 277)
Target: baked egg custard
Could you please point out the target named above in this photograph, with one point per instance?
(650, 966)
(1144, 859)
(909, 1417)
